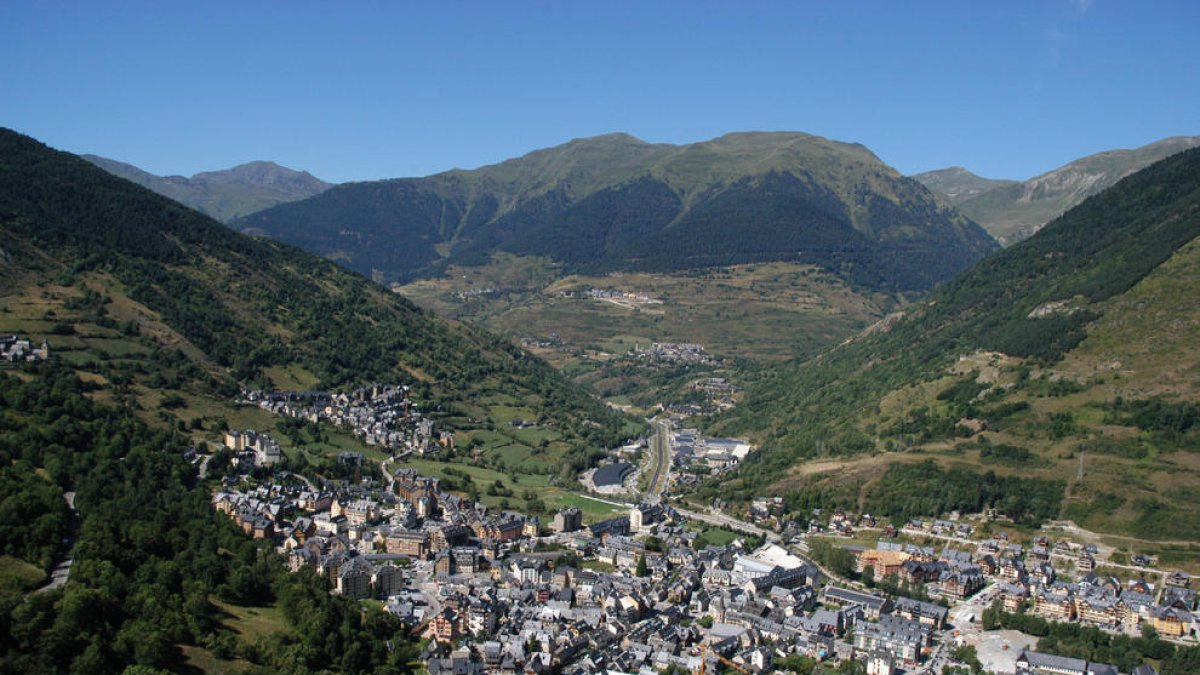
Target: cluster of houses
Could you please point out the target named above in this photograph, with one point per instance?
(677, 352)
(953, 574)
(1029, 579)
(252, 449)
(15, 349)
(690, 449)
(501, 592)
(621, 297)
(380, 415)
(498, 592)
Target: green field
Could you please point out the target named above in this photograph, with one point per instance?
(251, 623)
(768, 311)
(20, 575)
(555, 498)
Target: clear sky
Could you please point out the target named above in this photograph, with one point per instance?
(364, 90)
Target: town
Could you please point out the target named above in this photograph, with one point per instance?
(649, 591)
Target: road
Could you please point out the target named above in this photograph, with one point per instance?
(387, 475)
(62, 570)
(730, 523)
(660, 458)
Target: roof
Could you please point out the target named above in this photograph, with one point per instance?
(1066, 664)
(612, 474)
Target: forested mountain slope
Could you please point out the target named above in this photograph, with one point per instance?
(100, 259)
(1072, 342)
(616, 203)
(155, 315)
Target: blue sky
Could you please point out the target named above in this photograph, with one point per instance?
(364, 90)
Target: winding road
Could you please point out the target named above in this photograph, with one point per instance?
(62, 570)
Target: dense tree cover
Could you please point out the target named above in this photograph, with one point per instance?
(150, 554)
(832, 557)
(1089, 642)
(924, 489)
(1097, 250)
(250, 304)
(1156, 415)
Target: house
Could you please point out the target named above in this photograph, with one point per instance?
(873, 606)
(881, 662)
(1013, 596)
(1178, 579)
(927, 613)
(903, 639)
(1054, 603)
(386, 580)
(1170, 621)
(1098, 607)
(411, 543)
(568, 520)
(1035, 663)
(920, 572)
(885, 563)
(961, 583)
(445, 627)
(354, 578)
(644, 516)
(1179, 597)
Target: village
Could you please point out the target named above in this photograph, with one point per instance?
(500, 591)
(15, 349)
(379, 415)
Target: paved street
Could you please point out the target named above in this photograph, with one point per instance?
(660, 461)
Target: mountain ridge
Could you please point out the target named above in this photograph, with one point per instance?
(1012, 210)
(229, 310)
(578, 203)
(224, 194)
(1049, 349)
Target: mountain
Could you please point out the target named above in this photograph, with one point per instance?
(159, 300)
(1055, 378)
(154, 315)
(1012, 210)
(614, 203)
(958, 185)
(227, 194)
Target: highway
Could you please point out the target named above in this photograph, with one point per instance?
(660, 459)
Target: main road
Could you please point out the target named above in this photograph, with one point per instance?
(660, 461)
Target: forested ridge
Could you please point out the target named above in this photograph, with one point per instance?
(250, 304)
(1034, 301)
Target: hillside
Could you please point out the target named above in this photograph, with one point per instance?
(615, 203)
(1067, 350)
(156, 302)
(1013, 210)
(227, 194)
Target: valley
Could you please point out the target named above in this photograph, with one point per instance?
(760, 313)
(1019, 406)
(577, 338)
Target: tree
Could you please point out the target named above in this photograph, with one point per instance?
(642, 569)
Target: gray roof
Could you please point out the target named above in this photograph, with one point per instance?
(611, 474)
